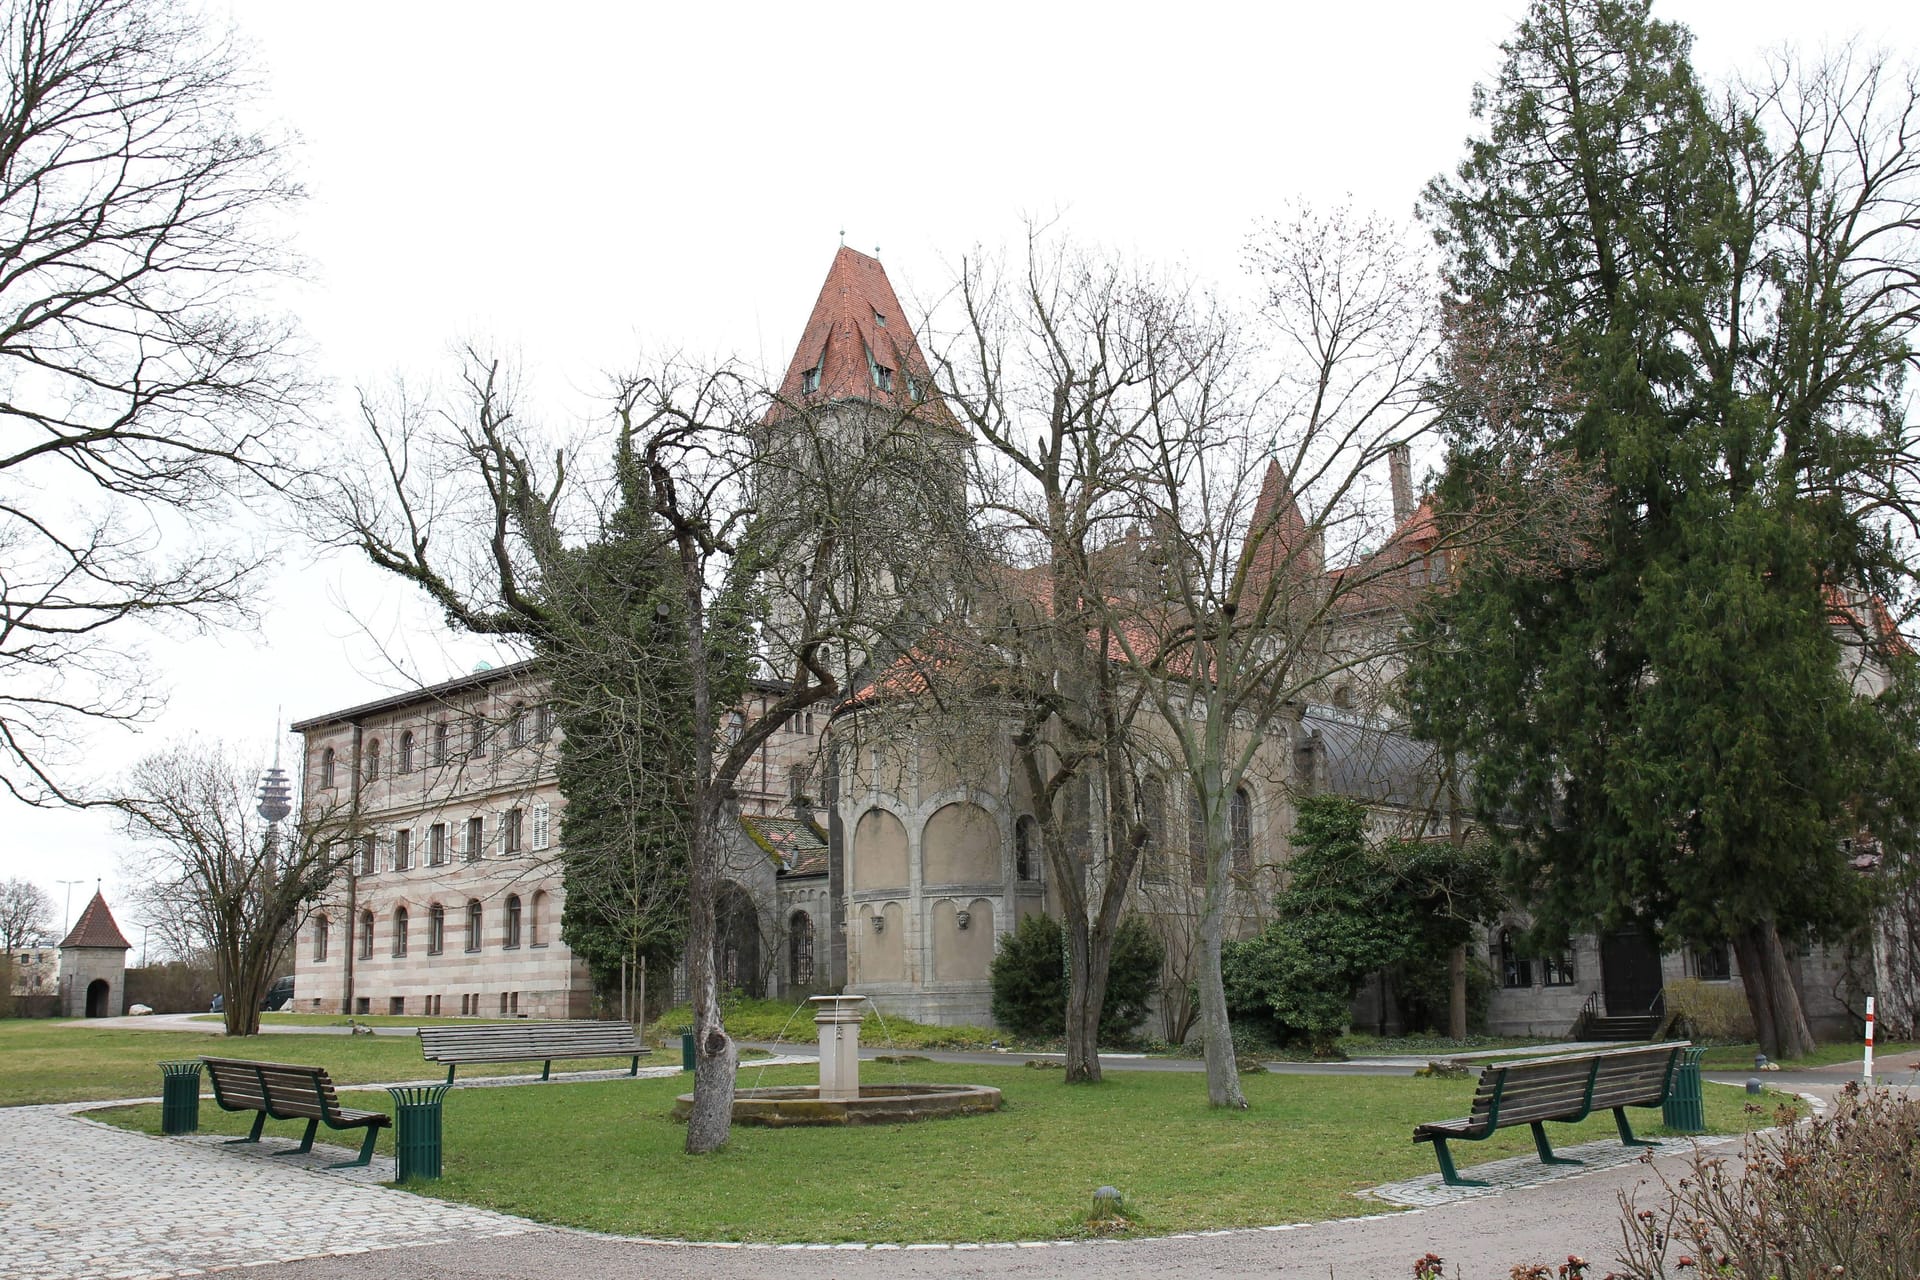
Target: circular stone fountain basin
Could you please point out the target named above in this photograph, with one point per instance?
(877, 1104)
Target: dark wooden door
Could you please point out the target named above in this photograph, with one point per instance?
(1629, 972)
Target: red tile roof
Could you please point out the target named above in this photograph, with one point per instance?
(1281, 530)
(857, 331)
(95, 927)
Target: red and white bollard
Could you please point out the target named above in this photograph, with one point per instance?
(1869, 1060)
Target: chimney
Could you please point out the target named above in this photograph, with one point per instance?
(797, 793)
(1400, 467)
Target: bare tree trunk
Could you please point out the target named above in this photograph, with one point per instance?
(1457, 992)
(1091, 953)
(1779, 1021)
(714, 1053)
(1223, 1072)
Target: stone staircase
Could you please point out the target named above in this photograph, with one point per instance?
(1595, 1025)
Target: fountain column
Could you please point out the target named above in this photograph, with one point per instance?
(838, 1020)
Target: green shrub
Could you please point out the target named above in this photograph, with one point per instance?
(1030, 979)
(1714, 1013)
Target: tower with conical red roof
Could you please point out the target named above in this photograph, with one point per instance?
(857, 435)
(93, 964)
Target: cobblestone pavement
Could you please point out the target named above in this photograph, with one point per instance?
(1516, 1172)
(84, 1199)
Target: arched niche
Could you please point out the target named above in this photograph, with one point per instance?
(879, 851)
(961, 845)
(878, 948)
(962, 948)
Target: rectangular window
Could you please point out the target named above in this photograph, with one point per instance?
(369, 855)
(510, 831)
(542, 827)
(362, 1004)
(1713, 964)
(396, 1004)
(437, 844)
(476, 838)
(402, 850)
(810, 381)
(1556, 970)
(320, 940)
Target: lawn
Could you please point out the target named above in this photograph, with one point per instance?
(47, 1061)
(605, 1156)
(364, 1019)
(792, 1023)
(1735, 1057)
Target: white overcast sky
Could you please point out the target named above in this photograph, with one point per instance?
(574, 183)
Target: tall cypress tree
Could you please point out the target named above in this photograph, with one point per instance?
(1665, 721)
(615, 658)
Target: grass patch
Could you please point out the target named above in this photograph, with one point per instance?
(605, 1156)
(364, 1019)
(1358, 1046)
(44, 1061)
(777, 1020)
(1737, 1057)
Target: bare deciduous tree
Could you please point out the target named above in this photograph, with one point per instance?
(26, 913)
(769, 515)
(208, 859)
(146, 392)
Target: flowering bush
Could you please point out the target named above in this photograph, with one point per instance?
(1835, 1196)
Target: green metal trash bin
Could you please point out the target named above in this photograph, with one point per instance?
(686, 1049)
(416, 1131)
(1685, 1111)
(180, 1097)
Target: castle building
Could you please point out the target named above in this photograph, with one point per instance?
(869, 854)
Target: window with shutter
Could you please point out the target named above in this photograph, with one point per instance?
(542, 820)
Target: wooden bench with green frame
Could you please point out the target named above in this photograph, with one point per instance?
(540, 1042)
(284, 1091)
(1561, 1090)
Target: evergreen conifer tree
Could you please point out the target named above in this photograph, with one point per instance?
(1676, 724)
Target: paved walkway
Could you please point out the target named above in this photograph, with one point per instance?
(81, 1200)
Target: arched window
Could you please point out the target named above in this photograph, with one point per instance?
(517, 726)
(319, 939)
(800, 949)
(474, 919)
(399, 931)
(1240, 831)
(439, 743)
(1516, 970)
(1025, 851)
(373, 760)
(1196, 837)
(536, 915)
(436, 929)
(1153, 817)
(326, 767)
(543, 721)
(406, 752)
(366, 935)
(513, 920)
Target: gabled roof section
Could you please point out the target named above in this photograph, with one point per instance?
(95, 927)
(858, 346)
(800, 848)
(1285, 542)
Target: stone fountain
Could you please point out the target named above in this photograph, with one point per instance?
(840, 1098)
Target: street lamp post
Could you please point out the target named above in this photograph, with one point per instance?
(66, 909)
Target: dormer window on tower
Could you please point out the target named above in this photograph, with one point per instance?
(880, 319)
(810, 381)
(915, 391)
(883, 377)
